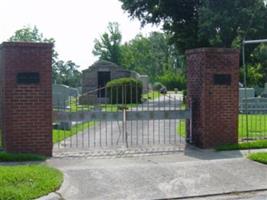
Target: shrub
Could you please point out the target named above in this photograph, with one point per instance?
(173, 80)
(124, 91)
(157, 86)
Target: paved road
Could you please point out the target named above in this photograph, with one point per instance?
(186, 174)
(141, 133)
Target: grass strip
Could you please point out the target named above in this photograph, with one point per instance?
(28, 181)
(258, 144)
(258, 157)
(152, 95)
(60, 135)
(180, 128)
(257, 127)
(19, 157)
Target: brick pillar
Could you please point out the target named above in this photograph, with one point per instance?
(213, 81)
(26, 97)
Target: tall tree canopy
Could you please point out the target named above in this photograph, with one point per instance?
(154, 56)
(108, 46)
(62, 72)
(150, 55)
(68, 73)
(197, 23)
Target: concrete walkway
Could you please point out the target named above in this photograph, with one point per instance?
(190, 173)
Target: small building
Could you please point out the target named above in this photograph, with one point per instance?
(95, 78)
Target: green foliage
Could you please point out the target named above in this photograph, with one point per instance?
(257, 126)
(62, 72)
(181, 128)
(19, 157)
(108, 46)
(173, 80)
(226, 23)
(259, 157)
(28, 181)
(28, 34)
(179, 17)
(151, 95)
(151, 55)
(60, 135)
(124, 91)
(258, 58)
(196, 23)
(68, 73)
(157, 86)
(259, 144)
(255, 76)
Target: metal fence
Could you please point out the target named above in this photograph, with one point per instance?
(130, 119)
(252, 124)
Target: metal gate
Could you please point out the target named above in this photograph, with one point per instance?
(124, 120)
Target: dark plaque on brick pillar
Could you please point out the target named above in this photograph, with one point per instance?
(213, 79)
(28, 78)
(26, 98)
(222, 79)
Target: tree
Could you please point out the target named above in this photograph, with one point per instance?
(108, 46)
(28, 34)
(151, 55)
(198, 23)
(65, 73)
(69, 75)
(225, 23)
(257, 72)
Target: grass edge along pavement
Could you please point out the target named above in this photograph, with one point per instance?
(257, 129)
(260, 157)
(23, 182)
(59, 135)
(20, 157)
(257, 144)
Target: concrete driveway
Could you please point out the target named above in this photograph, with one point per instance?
(140, 133)
(190, 173)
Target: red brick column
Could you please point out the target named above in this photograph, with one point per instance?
(26, 97)
(213, 81)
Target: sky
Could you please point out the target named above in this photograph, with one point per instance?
(74, 24)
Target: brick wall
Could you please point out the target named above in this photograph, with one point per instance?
(215, 107)
(26, 108)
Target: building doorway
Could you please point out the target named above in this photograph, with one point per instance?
(103, 78)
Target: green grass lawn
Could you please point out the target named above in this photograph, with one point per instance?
(257, 126)
(60, 135)
(152, 95)
(259, 157)
(74, 107)
(258, 144)
(26, 182)
(180, 128)
(19, 157)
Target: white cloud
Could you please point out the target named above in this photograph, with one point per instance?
(73, 23)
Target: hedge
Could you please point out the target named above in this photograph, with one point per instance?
(124, 91)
